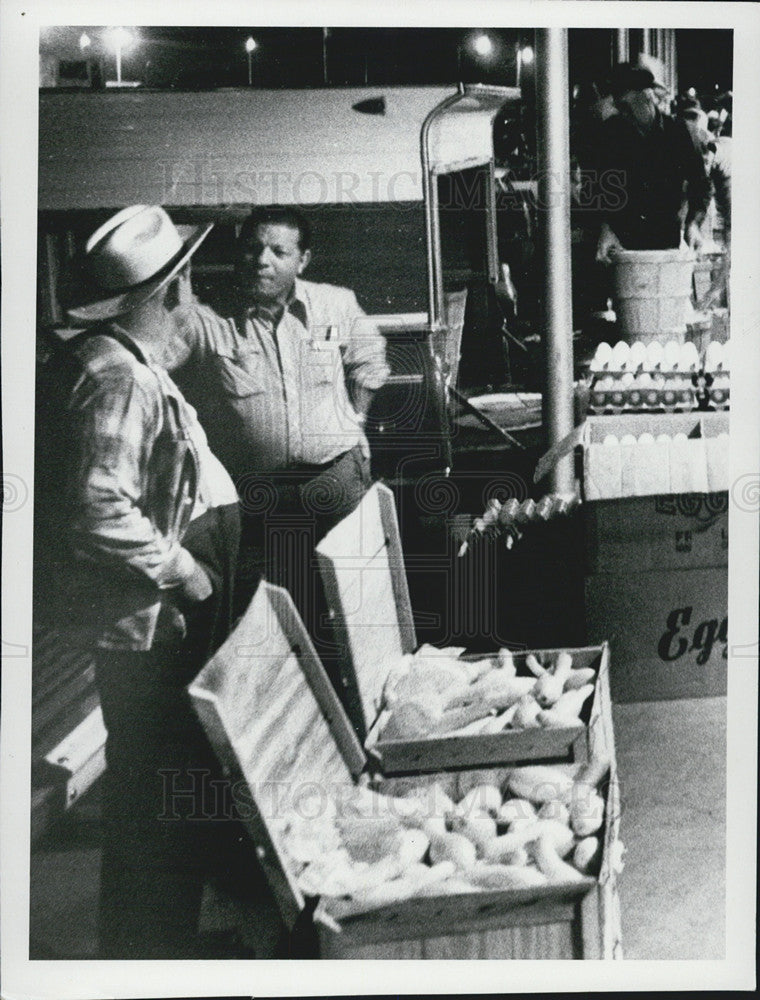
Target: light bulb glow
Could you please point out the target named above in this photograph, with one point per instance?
(250, 45)
(120, 39)
(84, 41)
(526, 55)
(483, 45)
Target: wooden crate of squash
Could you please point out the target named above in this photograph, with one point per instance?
(423, 709)
(517, 862)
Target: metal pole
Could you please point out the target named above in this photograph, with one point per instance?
(432, 222)
(646, 41)
(118, 62)
(492, 231)
(622, 45)
(553, 133)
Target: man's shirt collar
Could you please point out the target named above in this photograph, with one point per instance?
(296, 305)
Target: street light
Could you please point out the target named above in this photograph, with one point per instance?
(84, 41)
(120, 39)
(250, 48)
(524, 58)
(482, 45)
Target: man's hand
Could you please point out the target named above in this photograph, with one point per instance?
(694, 239)
(198, 586)
(607, 246)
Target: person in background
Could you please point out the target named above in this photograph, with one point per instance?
(654, 160)
(661, 91)
(719, 126)
(136, 536)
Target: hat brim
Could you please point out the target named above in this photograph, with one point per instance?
(116, 305)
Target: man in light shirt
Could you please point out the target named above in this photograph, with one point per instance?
(282, 383)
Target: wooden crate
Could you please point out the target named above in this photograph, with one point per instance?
(362, 567)
(277, 726)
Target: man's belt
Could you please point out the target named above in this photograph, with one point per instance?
(306, 471)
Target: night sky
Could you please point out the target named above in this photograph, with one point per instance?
(205, 58)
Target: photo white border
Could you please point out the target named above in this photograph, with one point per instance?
(18, 206)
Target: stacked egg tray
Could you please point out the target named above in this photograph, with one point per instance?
(511, 519)
(651, 377)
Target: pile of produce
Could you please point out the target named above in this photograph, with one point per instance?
(434, 692)
(361, 849)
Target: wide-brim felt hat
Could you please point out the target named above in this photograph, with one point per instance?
(625, 77)
(656, 67)
(129, 259)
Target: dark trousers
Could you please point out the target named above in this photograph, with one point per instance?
(284, 516)
(168, 818)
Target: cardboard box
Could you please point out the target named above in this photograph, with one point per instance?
(667, 631)
(672, 531)
(279, 730)
(698, 464)
(362, 567)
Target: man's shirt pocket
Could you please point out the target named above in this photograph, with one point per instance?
(322, 364)
(241, 373)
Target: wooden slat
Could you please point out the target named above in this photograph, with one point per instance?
(289, 897)
(333, 946)
(275, 723)
(470, 912)
(590, 926)
(67, 719)
(65, 698)
(362, 590)
(395, 556)
(612, 932)
(455, 946)
(399, 756)
(541, 942)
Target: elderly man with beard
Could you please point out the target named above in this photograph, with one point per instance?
(652, 159)
(136, 539)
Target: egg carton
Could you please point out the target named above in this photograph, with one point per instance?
(509, 520)
(655, 377)
(653, 357)
(717, 390)
(615, 392)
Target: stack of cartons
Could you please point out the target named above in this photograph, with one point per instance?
(656, 521)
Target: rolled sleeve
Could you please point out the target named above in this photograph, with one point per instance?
(364, 357)
(187, 338)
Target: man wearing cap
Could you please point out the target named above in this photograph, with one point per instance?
(137, 532)
(657, 168)
(281, 384)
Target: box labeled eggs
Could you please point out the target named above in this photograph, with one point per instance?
(493, 863)
(428, 709)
